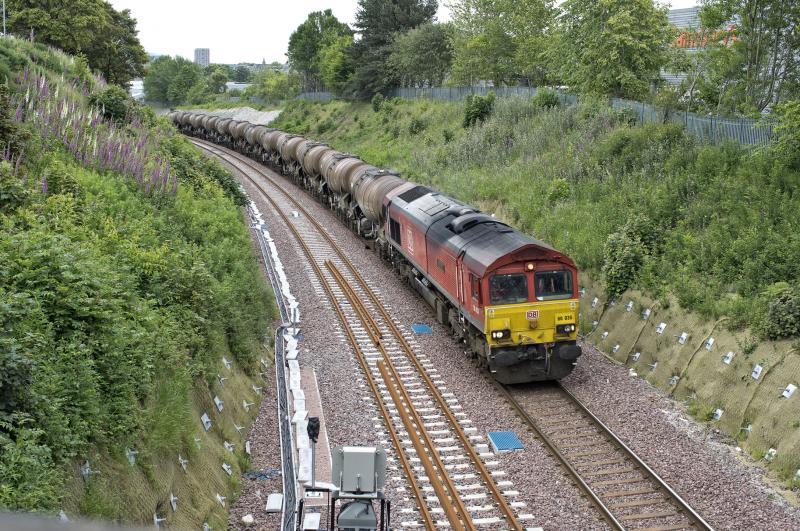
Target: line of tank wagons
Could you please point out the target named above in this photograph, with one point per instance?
(354, 188)
(449, 252)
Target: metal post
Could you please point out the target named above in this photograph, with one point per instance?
(313, 464)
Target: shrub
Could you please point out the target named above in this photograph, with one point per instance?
(448, 136)
(29, 479)
(113, 101)
(377, 102)
(477, 108)
(623, 257)
(416, 126)
(558, 190)
(782, 316)
(546, 99)
(12, 189)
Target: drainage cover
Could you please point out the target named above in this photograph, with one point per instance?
(421, 328)
(504, 441)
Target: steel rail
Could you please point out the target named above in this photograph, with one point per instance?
(562, 459)
(669, 496)
(682, 505)
(505, 507)
(458, 516)
(427, 518)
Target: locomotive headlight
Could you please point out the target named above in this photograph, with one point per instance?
(501, 334)
(565, 328)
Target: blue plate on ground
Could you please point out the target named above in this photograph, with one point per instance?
(505, 441)
(419, 328)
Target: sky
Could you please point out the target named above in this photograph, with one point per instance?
(237, 31)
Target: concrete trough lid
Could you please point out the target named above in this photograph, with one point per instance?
(274, 502)
(504, 441)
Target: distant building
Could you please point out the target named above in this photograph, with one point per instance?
(692, 36)
(202, 57)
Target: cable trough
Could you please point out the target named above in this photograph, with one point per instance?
(288, 514)
(441, 461)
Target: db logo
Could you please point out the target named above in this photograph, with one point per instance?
(532, 314)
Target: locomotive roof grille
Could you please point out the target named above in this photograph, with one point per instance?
(414, 193)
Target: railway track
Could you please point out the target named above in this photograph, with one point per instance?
(449, 469)
(628, 493)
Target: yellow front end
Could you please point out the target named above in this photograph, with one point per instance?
(530, 322)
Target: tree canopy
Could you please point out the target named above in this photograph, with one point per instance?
(306, 43)
(760, 66)
(169, 79)
(378, 21)
(501, 40)
(423, 55)
(92, 28)
(612, 47)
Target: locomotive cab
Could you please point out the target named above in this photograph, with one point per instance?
(531, 316)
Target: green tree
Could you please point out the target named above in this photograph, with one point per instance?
(274, 87)
(215, 80)
(762, 66)
(423, 55)
(335, 67)
(611, 47)
(241, 74)
(378, 21)
(106, 37)
(787, 133)
(488, 55)
(169, 79)
(306, 42)
(501, 40)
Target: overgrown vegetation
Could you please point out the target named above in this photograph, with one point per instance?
(118, 295)
(712, 225)
(104, 38)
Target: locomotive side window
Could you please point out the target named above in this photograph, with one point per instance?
(508, 289)
(475, 285)
(394, 231)
(552, 285)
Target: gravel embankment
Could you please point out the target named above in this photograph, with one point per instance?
(247, 114)
(729, 493)
(695, 460)
(265, 457)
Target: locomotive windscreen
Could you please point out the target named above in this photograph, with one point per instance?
(508, 289)
(553, 285)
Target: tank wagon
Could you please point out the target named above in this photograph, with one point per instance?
(512, 299)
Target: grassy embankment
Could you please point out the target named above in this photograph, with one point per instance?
(707, 237)
(126, 274)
